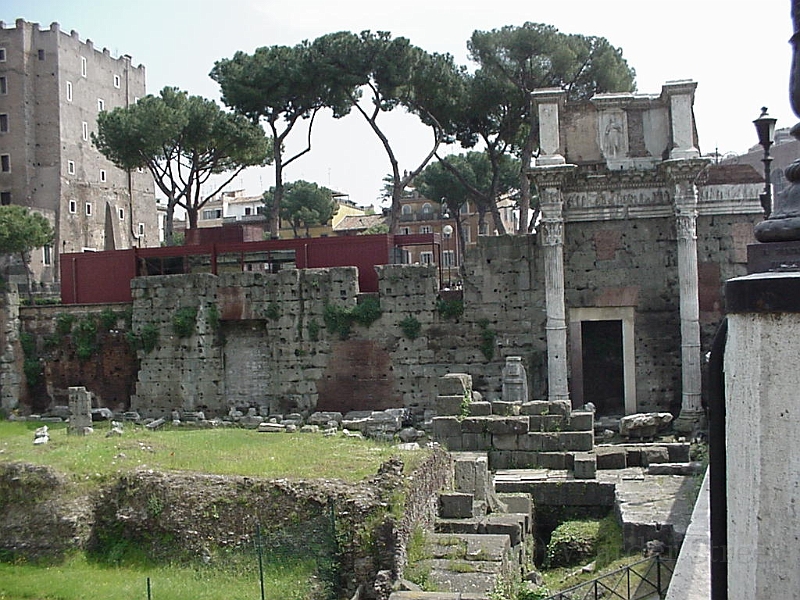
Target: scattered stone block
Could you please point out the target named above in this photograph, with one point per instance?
(678, 452)
(153, 425)
(324, 418)
(581, 421)
(537, 407)
(266, 427)
(504, 408)
(455, 505)
(450, 405)
(576, 440)
(446, 427)
(684, 469)
(480, 408)
(41, 435)
(471, 474)
(455, 384)
(506, 425)
(476, 442)
(644, 425)
(584, 465)
(655, 454)
(560, 407)
(610, 457)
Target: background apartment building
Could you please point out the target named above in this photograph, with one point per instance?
(52, 87)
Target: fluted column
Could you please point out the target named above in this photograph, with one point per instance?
(681, 175)
(549, 181)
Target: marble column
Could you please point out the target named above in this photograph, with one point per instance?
(681, 175)
(549, 181)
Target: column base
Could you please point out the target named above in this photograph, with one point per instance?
(689, 421)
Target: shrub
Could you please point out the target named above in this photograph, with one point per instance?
(64, 323)
(340, 320)
(313, 331)
(450, 309)
(488, 338)
(184, 321)
(411, 327)
(85, 337)
(108, 319)
(273, 312)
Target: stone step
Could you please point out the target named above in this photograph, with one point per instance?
(467, 563)
(436, 596)
(516, 526)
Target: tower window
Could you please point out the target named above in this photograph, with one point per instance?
(3, 86)
(121, 214)
(101, 105)
(5, 163)
(88, 209)
(41, 54)
(73, 207)
(71, 167)
(2, 55)
(4, 123)
(85, 131)
(5, 198)
(116, 81)
(83, 66)
(69, 91)
(102, 174)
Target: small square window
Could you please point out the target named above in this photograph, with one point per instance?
(5, 198)
(4, 123)
(85, 131)
(2, 55)
(83, 66)
(3, 86)
(102, 174)
(47, 255)
(71, 167)
(69, 91)
(88, 209)
(116, 81)
(5, 163)
(101, 105)
(73, 207)
(41, 54)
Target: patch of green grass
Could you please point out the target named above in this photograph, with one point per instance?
(77, 578)
(609, 554)
(219, 451)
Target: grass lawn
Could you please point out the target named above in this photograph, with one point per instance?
(228, 451)
(92, 460)
(78, 579)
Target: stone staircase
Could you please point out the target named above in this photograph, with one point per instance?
(480, 538)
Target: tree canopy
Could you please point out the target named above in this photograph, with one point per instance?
(304, 205)
(536, 56)
(22, 231)
(389, 73)
(281, 85)
(182, 140)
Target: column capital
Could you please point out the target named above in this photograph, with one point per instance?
(550, 176)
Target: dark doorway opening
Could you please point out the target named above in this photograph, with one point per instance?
(603, 366)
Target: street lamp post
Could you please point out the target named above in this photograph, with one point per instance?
(447, 230)
(765, 127)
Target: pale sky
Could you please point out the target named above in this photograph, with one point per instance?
(736, 50)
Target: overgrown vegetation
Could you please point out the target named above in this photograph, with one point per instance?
(184, 321)
(450, 309)
(84, 335)
(488, 337)
(411, 327)
(313, 330)
(146, 338)
(31, 365)
(273, 311)
(339, 320)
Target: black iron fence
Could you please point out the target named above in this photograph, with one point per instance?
(644, 580)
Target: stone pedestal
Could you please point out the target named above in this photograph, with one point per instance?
(80, 408)
(763, 444)
(515, 381)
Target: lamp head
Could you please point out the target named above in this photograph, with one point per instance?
(765, 128)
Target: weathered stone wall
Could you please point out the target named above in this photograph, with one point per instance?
(261, 339)
(108, 369)
(633, 263)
